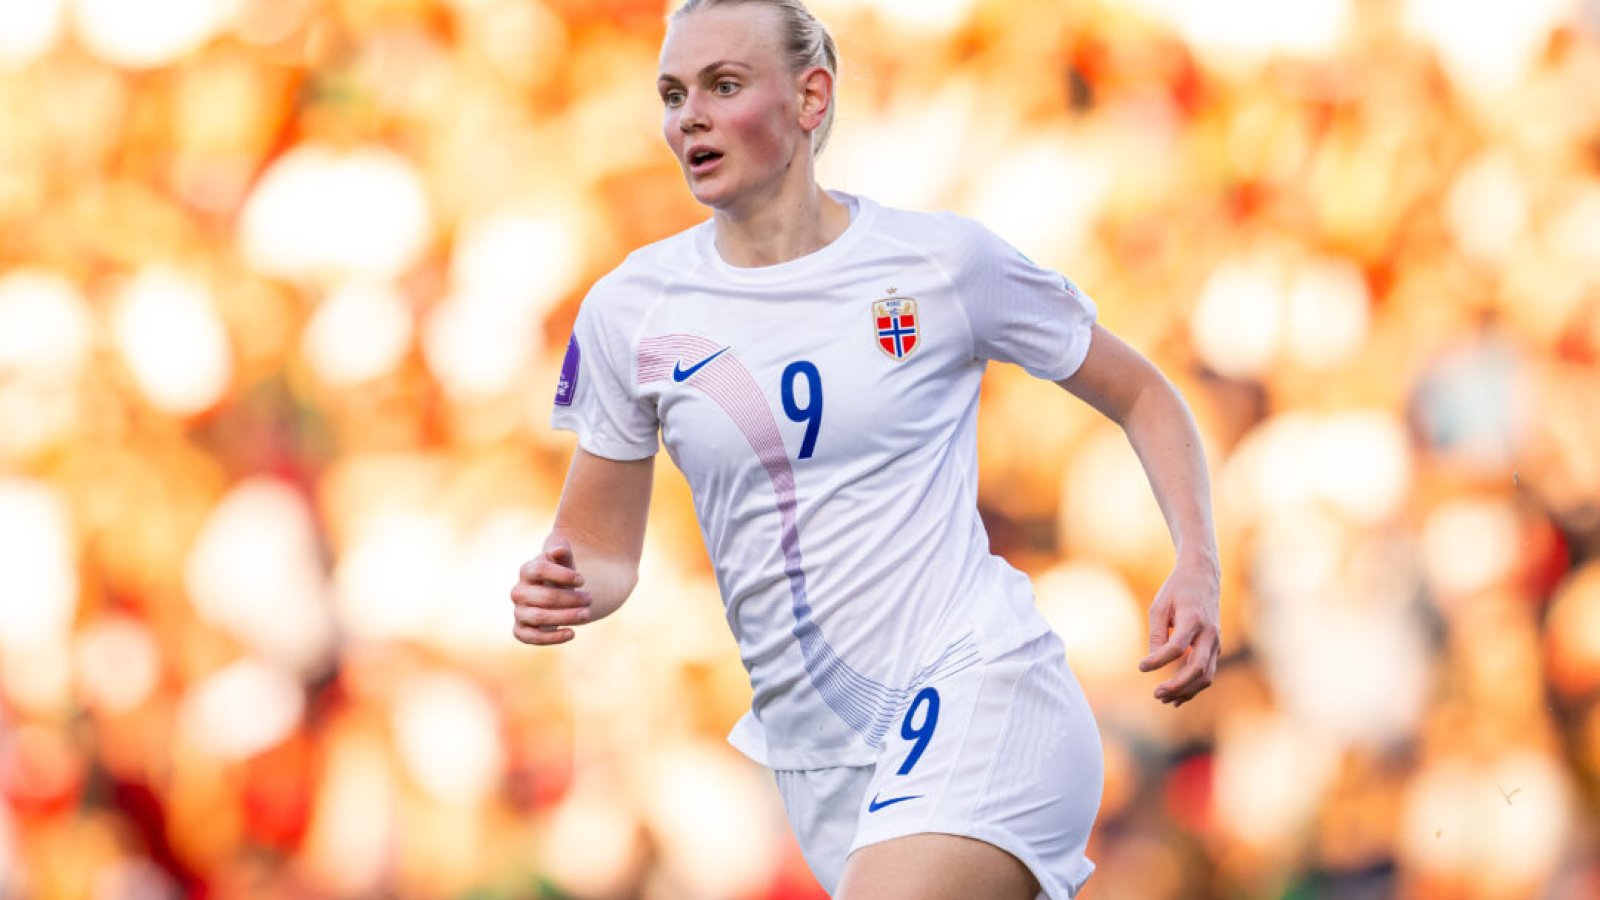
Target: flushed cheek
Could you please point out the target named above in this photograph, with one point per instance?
(759, 135)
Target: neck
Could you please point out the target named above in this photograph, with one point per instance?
(786, 227)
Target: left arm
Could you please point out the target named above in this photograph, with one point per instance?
(1185, 618)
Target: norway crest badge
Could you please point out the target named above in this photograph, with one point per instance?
(895, 323)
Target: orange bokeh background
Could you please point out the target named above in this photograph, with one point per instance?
(284, 286)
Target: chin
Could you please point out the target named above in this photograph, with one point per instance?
(708, 196)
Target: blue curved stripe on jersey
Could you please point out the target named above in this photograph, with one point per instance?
(866, 706)
(856, 699)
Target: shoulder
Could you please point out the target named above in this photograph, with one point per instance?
(946, 235)
(645, 273)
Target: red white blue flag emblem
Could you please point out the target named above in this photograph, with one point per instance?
(895, 321)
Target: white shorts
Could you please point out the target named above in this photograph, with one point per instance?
(1006, 752)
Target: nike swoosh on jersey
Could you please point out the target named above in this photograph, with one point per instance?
(679, 373)
(877, 804)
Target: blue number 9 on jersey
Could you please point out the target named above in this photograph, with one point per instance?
(811, 413)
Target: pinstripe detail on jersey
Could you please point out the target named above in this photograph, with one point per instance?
(867, 706)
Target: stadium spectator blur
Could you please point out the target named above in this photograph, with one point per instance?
(283, 290)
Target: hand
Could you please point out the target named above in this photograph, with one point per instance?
(547, 599)
(1185, 623)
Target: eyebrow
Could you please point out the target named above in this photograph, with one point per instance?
(707, 70)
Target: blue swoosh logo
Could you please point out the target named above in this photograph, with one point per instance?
(877, 804)
(679, 373)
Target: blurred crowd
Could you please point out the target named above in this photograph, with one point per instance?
(284, 286)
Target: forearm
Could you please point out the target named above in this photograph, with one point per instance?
(609, 574)
(1162, 431)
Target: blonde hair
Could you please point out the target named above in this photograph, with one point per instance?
(806, 42)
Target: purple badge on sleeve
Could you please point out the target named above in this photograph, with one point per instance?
(569, 374)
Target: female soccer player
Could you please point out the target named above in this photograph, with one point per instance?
(812, 360)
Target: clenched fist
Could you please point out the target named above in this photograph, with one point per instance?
(547, 599)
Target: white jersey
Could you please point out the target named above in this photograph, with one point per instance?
(824, 411)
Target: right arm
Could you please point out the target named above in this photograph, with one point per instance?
(600, 522)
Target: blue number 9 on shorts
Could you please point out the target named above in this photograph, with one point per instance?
(922, 735)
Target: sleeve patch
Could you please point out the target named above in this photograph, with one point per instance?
(568, 385)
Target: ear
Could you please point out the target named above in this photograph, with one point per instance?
(815, 92)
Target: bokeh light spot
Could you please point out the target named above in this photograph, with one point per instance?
(175, 346)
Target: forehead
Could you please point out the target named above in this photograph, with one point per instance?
(741, 32)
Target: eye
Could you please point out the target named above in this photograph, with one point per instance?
(726, 86)
(672, 98)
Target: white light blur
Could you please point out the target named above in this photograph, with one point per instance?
(1504, 822)
(1101, 623)
(1299, 551)
(351, 838)
(1574, 232)
(360, 332)
(515, 35)
(927, 15)
(1362, 464)
(240, 711)
(476, 346)
(527, 262)
(38, 677)
(1487, 207)
(1328, 314)
(117, 662)
(1233, 31)
(1486, 46)
(706, 802)
(871, 151)
(1238, 319)
(168, 331)
(255, 571)
(149, 33)
(1268, 468)
(1470, 544)
(447, 733)
(475, 615)
(1269, 776)
(46, 329)
(28, 29)
(36, 557)
(1356, 673)
(318, 212)
(1107, 509)
(508, 271)
(390, 578)
(1044, 194)
(593, 846)
(37, 416)
(1357, 462)
(46, 336)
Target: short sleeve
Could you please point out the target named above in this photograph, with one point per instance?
(1021, 312)
(596, 396)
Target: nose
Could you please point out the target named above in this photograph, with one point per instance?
(690, 117)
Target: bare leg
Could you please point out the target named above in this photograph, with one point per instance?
(935, 867)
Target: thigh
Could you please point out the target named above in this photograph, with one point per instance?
(935, 867)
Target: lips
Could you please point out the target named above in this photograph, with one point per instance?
(702, 159)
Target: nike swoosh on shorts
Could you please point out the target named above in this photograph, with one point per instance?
(877, 804)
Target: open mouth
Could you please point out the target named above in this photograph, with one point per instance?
(701, 160)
